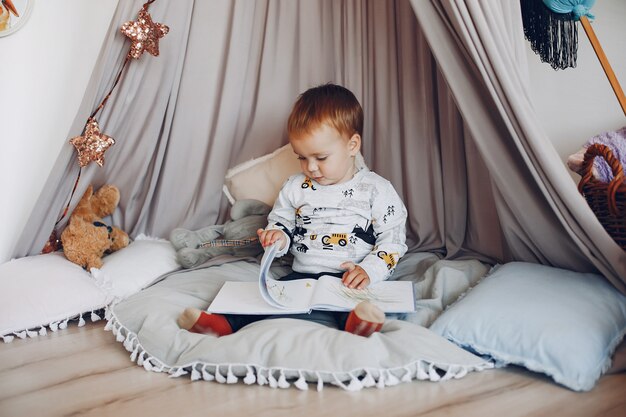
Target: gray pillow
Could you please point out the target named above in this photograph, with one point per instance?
(276, 352)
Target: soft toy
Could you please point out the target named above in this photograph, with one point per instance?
(87, 238)
(236, 237)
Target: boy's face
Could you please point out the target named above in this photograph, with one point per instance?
(326, 156)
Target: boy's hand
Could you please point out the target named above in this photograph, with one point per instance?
(269, 237)
(355, 276)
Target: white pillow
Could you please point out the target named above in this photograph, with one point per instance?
(562, 323)
(45, 290)
(135, 267)
(48, 290)
(261, 178)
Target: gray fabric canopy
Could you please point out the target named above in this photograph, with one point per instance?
(448, 120)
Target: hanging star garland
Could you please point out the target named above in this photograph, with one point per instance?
(92, 145)
(144, 34)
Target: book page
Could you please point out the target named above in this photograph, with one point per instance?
(294, 296)
(389, 296)
(241, 298)
(289, 295)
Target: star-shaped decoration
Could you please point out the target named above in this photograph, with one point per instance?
(144, 34)
(92, 145)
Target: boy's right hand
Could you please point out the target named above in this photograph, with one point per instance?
(269, 237)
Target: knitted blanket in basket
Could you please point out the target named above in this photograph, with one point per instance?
(617, 142)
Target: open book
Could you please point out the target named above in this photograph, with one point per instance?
(271, 296)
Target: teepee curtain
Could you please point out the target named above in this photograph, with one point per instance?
(478, 46)
(455, 134)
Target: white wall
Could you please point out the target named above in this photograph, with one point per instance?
(45, 67)
(44, 70)
(578, 103)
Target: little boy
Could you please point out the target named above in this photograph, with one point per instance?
(335, 218)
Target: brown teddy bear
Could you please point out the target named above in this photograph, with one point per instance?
(87, 238)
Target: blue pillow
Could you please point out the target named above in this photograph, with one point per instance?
(564, 324)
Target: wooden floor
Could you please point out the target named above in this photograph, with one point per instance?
(85, 372)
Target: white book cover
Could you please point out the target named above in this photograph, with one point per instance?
(271, 296)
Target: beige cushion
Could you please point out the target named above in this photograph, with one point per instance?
(262, 178)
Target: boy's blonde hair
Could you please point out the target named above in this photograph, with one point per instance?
(329, 104)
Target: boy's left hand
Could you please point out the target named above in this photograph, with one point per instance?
(355, 276)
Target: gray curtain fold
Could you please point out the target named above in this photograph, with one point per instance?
(447, 120)
(477, 45)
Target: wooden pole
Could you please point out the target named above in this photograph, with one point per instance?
(617, 89)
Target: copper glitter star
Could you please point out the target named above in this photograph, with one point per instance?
(92, 145)
(144, 34)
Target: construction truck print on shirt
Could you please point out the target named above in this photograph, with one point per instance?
(355, 221)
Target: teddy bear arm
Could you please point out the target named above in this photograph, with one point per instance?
(105, 200)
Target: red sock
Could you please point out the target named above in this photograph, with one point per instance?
(211, 323)
(362, 327)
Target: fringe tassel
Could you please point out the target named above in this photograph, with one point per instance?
(230, 377)
(432, 373)
(391, 379)
(368, 380)
(320, 382)
(206, 375)
(421, 373)
(250, 378)
(120, 336)
(195, 375)
(272, 381)
(355, 384)
(7, 338)
(282, 380)
(147, 364)
(133, 355)
(461, 373)
(128, 344)
(552, 36)
(43, 331)
(381, 379)
(178, 372)
(81, 321)
(301, 382)
(338, 382)
(260, 378)
(95, 317)
(141, 358)
(219, 377)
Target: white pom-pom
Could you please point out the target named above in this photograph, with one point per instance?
(250, 378)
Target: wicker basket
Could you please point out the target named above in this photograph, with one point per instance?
(607, 200)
